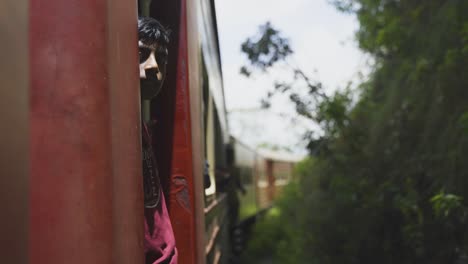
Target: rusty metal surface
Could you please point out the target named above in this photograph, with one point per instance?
(14, 120)
(79, 180)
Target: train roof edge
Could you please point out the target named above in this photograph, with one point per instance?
(270, 154)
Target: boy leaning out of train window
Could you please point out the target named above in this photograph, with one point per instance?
(153, 40)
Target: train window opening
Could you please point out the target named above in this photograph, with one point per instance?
(210, 147)
(159, 111)
(157, 70)
(216, 152)
(223, 172)
(208, 174)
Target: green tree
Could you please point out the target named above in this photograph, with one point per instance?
(390, 177)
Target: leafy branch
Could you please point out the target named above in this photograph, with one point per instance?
(269, 48)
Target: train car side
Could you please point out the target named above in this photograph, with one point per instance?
(83, 183)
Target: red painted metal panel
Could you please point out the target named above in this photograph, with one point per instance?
(85, 168)
(271, 180)
(182, 200)
(126, 153)
(71, 193)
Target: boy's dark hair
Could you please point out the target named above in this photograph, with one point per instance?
(150, 31)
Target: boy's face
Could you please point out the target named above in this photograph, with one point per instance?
(153, 60)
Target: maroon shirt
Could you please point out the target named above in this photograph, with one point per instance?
(159, 237)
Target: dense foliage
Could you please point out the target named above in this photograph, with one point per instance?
(389, 183)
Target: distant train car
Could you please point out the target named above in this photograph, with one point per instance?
(274, 171)
(262, 175)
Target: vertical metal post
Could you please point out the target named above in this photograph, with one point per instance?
(14, 125)
(271, 180)
(85, 198)
(127, 195)
(186, 186)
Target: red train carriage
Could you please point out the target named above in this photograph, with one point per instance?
(72, 131)
(274, 171)
(262, 174)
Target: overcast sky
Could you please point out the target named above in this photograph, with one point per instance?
(322, 39)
